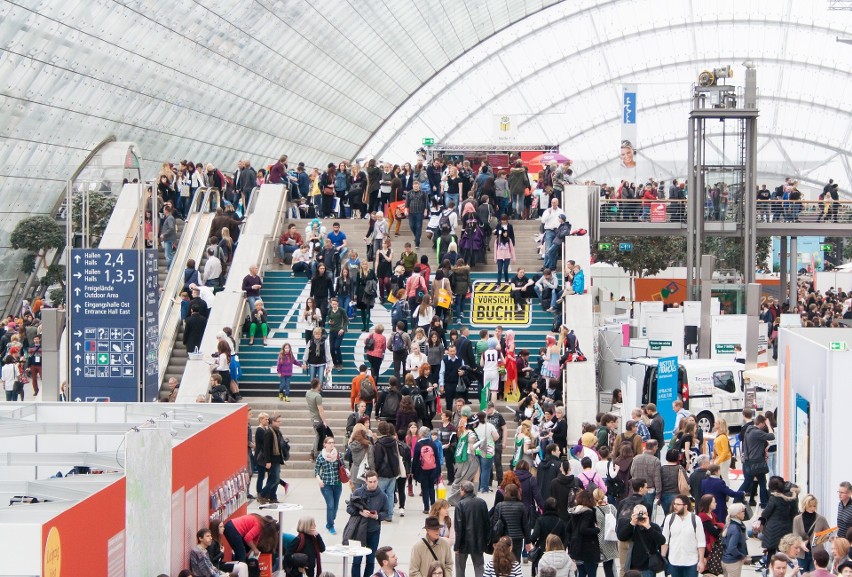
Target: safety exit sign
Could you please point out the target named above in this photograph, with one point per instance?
(428, 141)
(837, 345)
(604, 246)
(826, 247)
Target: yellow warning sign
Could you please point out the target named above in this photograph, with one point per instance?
(491, 305)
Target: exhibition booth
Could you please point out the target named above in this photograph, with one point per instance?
(116, 489)
(813, 371)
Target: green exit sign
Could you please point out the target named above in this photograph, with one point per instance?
(428, 141)
(604, 246)
(826, 247)
(838, 345)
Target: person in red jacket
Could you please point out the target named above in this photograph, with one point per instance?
(254, 532)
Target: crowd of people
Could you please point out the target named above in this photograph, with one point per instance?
(565, 507)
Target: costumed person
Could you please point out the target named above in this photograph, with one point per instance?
(489, 362)
(511, 369)
(315, 234)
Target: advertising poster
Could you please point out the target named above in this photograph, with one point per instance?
(504, 128)
(664, 331)
(644, 309)
(667, 392)
(727, 331)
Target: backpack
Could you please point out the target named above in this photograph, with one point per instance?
(368, 391)
(398, 343)
(427, 456)
(419, 404)
(444, 220)
(285, 450)
(615, 486)
(691, 516)
(391, 405)
(369, 343)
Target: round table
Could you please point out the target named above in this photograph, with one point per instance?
(345, 551)
(281, 508)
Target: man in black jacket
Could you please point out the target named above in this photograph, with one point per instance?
(754, 443)
(646, 536)
(272, 458)
(464, 346)
(548, 470)
(375, 511)
(656, 426)
(472, 530)
(625, 511)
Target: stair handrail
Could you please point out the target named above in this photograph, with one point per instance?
(189, 223)
(169, 331)
(230, 302)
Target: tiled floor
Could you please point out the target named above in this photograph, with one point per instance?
(400, 534)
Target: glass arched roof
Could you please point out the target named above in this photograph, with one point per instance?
(564, 83)
(219, 80)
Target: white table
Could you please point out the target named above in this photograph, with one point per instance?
(346, 551)
(281, 508)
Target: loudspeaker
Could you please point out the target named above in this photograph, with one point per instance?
(691, 335)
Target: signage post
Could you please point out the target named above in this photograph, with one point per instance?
(104, 324)
(150, 326)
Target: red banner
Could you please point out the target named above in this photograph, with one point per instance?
(658, 212)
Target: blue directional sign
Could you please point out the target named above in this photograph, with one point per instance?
(625, 246)
(150, 325)
(104, 310)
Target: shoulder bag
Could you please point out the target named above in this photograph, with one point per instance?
(341, 470)
(682, 483)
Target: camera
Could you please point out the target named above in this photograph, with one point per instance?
(641, 517)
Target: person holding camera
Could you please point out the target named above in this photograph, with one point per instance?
(647, 540)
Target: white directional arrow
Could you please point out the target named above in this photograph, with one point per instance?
(77, 371)
(77, 308)
(78, 275)
(78, 333)
(78, 346)
(77, 291)
(77, 259)
(77, 358)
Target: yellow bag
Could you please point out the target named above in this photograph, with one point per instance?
(445, 298)
(441, 493)
(392, 298)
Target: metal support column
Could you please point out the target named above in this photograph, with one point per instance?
(794, 273)
(708, 265)
(750, 202)
(692, 275)
(782, 280)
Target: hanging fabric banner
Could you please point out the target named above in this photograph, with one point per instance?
(627, 151)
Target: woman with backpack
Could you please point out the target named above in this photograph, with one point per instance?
(425, 467)
(607, 540)
(584, 547)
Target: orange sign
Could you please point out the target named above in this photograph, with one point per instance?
(52, 554)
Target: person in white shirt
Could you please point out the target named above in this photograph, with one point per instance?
(547, 281)
(212, 269)
(204, 293)
(550, 220)
(685, 541)
(489, 362)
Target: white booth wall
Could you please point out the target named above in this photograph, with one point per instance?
(815, 456)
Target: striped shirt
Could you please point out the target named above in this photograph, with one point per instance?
(844, 517)
(489, 570)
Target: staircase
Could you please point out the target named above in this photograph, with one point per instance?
(298, 430)
(283, 296)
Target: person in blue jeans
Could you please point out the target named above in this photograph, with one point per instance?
(369, 502)
(417, 205)
(326, 470)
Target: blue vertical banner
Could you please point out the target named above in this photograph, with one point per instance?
(667, 370)
(627, 148)
(104, 311)
(150, 326)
